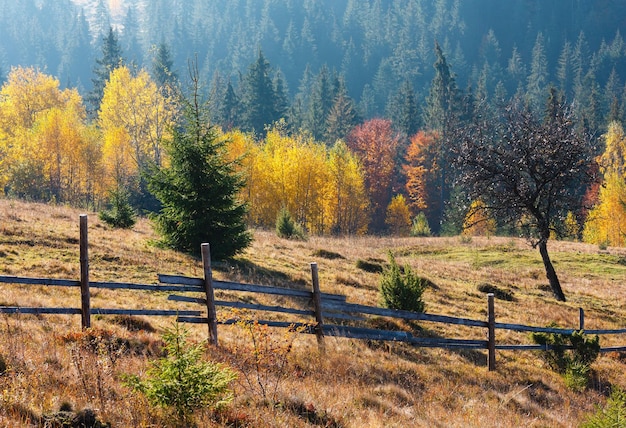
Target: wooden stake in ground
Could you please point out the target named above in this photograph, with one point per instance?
(84, 273)
(210, 294)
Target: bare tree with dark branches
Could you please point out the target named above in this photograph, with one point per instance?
(528, 172)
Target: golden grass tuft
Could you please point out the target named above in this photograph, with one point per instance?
(355, 383)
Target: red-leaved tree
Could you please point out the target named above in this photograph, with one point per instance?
(376, 144)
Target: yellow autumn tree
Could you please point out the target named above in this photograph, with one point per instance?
(42, 144)
(606, 222)
(243, 150)
(398, 217)
(322, 189)
(478, 221)
(135, 117)
(293, 174)
(347, 205)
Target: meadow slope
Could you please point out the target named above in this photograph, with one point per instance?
(355, 383)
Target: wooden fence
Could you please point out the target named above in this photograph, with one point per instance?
(345, 319)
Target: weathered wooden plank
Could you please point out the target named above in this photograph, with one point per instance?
(147, 312)
(39, 311)
(613, 349)
(243, 305)
(187, 299)
(601, 332)
(521, 327)
(39, 281)
(259, 307)
(253, 306)
(145, 287)
(251, 288)
(192, 320)
(408, 315)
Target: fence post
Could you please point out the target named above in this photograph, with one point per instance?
(84, 273)
(491, 331)
(210, 295)
(317, 307)
(581, 319)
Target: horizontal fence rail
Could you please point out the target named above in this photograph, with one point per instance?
(315, 305)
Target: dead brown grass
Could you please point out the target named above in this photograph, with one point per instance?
(355, 384)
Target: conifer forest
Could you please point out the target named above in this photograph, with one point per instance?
(357, 116)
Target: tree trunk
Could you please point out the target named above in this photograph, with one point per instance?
(550, 272)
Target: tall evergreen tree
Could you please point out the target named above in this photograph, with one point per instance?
(163, 71)
(198, 190)
(442, 100)
(281, 100)
(342, 116)
(320, 103)
(259, 96)
(405, 110)
(111, 59)
(538, 78)
(442, 115)
(230, 109)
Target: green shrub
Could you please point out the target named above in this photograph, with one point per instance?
(181, 381)
(286, 226)
(420, 226)
(612, 415)
(121, 214)
(401, 288)
(570, 355)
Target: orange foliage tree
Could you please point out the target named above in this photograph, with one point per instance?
(376, 144)
(422, 174)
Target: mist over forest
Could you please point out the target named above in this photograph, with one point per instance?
(375, 99)
(374, 46)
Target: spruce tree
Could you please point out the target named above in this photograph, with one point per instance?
(229, 110)
(259, 98)
(198, 190)
(111, 59)
(163, 71)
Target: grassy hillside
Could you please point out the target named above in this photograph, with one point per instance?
(50, 363)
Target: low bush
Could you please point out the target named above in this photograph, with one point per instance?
(401, 288)
(181, 381)
(286, 226)
(420, 226)
(570, 355)
(330, 255)
(613, 414)
(121, 214)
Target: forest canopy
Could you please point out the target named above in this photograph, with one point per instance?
(343, 112)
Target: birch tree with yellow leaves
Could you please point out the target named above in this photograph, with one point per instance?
(46, 150)
(606, 222)
(135, 116)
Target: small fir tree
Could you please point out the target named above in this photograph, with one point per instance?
(199, 189)
(286, 226)
(121, 214)
(181, 381)
(401, 288)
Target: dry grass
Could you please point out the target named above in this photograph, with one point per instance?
(355, 384)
